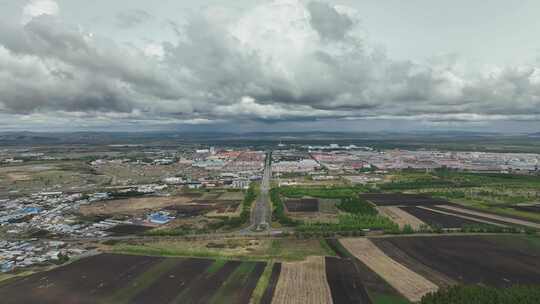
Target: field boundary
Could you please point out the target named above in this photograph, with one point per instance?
(407, 282)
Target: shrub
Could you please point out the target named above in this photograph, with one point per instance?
(484, 295)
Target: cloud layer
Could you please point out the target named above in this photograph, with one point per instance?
(283, 60)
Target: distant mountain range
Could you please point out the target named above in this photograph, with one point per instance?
(44, 138)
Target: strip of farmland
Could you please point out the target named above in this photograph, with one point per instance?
(399, 199)
(489, 260)
(240, 284)
(403, 258)
(400, 217)
(91, 279)
(113, 278)
(170, 284)
(463, 216)
(475, 217)
(272, 283)
(345, 282)
(377, 288)
(492, 216)
(303, 282)
(438, 219)
(410, 284)
(198, 292)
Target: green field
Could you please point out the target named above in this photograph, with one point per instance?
(497, 193)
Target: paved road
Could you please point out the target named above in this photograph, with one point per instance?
(262, 212)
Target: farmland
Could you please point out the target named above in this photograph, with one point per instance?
(407, 282)
(252, 249)
(397, 199)
(436, 219)
(303, 282)
(504, 260)
(400, 217)
(345, 282)
(501, 194)
(138, 279)
(302, 205)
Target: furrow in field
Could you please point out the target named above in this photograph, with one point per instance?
(303, 282)
(400, 217)
(492, 216)
(410, 284)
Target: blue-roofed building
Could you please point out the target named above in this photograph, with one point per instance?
(159, 218)
(31, 210)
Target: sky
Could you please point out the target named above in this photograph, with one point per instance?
(281, 65)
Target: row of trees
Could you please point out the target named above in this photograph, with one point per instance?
(333, 192)
(356, 205)
(278, 212)
(484, 295)
(351, 222)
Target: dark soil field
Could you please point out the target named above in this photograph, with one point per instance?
(269, 292)
(399, 199)
(113, 278)
(345, 282)
(302, 205)
(90, 280)
(128, 229)
(403, 258)
(173, 282)
(473, 216)
(377, 288)
(498, 261)
(202, 293)
(191, 210)
(438, 219)
(532, 208)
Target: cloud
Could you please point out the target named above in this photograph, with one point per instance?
(36, 8)
(280, 61)
(328, 22)
(132, 18)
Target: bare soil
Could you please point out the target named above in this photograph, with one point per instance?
(272, 283)
(399, 199)
(303, 282)
(345, 282)
(400, 217)
(485, 260)
(132, 205)
(410, 284)
(438, 219)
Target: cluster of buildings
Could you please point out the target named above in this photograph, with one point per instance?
(50, 212)
(293, 161)
(19, 254)
(345, 160)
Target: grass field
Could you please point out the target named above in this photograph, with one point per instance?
(277, 249)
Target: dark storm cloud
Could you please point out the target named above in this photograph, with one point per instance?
(215, 73)
(328, 22)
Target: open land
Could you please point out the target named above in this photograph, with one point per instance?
(345, 282)
(398, 199)
(400, 217)
(133, 205)
(490, 260)
(410, 284)
(110, 278)
(436, 219)
(281, 249)
(303, 282)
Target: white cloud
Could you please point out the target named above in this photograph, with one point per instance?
(35, 8)
(274, 62)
